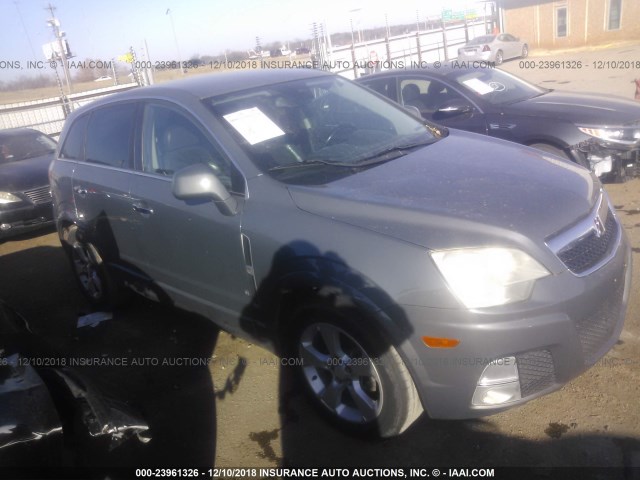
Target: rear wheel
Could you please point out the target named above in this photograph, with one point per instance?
(91, 274)
(525, 51)
(352, 374)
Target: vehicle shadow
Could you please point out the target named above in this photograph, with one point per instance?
(151, 358)
(307, 441)
(35, 233)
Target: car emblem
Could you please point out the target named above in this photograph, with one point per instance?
(599, 226)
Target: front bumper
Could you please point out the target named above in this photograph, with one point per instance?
(567, 325)
(14, 221)
(605, 159)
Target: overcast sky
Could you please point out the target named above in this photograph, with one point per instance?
(105, 29)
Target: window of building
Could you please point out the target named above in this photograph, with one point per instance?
(615, 7)
(561, 22)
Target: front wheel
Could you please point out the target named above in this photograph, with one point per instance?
(545, 147)
(619, 174)
(352, 374)
(499, 57)
(525, 51)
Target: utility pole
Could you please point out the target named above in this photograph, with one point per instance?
(175, 38)
(54, 23)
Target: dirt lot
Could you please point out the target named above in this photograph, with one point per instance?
(243, 410)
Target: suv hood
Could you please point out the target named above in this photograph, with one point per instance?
(579, 108)
(464, 190)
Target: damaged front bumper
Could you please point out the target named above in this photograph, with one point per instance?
(608, 160)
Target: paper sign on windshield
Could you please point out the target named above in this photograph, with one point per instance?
(478, 86)
(253, 125)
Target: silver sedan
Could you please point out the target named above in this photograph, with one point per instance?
(493, 48)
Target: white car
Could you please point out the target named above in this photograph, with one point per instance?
(493, 48)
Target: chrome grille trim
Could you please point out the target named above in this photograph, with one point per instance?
(39, 195)
(599, 232)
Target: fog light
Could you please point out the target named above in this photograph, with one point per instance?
(5, 226)
(499, 383)
(497, 394)
(500, 370)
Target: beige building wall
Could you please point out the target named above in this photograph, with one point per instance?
(537, 21)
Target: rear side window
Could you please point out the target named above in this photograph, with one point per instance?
(110, 134)
(73, 147)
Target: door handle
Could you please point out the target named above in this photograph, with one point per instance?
(142, 210)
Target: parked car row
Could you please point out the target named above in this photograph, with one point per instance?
(406, 266)
(599, 132)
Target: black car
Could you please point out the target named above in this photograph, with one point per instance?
(25, 197)
(600, 132)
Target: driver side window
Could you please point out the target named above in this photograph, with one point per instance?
(426, 95)
(171, 142)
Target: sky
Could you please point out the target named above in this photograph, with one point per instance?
(104, 30)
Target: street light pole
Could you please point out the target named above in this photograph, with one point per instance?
(55, 25)
(175, 38)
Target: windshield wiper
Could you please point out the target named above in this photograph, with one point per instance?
(309, 163)
(393, 152)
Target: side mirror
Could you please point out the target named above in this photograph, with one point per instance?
(199, 182)
(452, 108)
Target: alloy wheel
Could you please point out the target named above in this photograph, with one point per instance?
(340, 373)
(86, 269)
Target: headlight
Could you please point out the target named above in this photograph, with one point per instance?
(487, 277)
(621, 135)
(6, 197)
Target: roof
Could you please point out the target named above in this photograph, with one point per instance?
(205, 86)
(10, 132)
(199, 87)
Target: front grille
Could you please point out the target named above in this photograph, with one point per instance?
(597, 328)
(39, 195)
(536, 371)
(589, 250)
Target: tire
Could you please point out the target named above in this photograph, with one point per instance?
(499, 57)
(525, 51)
(619, 175)
(352, 375)
(92, 276)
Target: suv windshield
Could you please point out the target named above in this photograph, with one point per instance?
(496, 86)
(23, 145)
(320, 123)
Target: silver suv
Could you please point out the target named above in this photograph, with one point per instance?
(403, 266)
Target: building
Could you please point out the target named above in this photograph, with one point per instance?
(571, 23)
